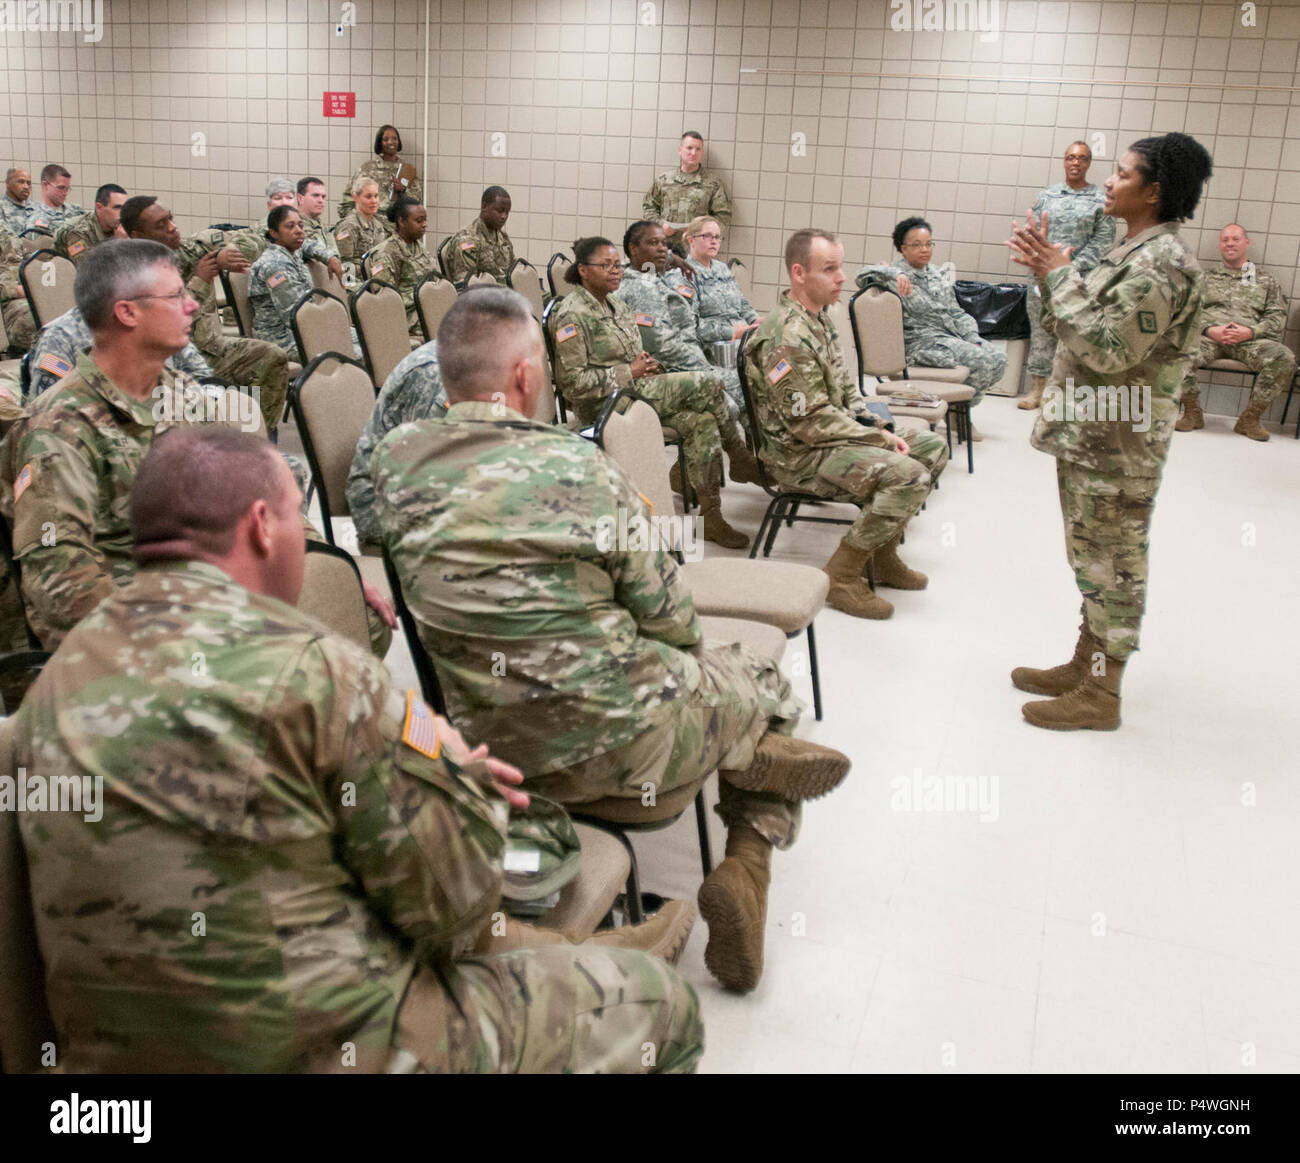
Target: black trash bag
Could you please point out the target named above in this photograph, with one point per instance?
(998, 309)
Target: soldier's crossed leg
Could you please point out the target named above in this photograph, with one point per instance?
(890, 487)
(256, 362)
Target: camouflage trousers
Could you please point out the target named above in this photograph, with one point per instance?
(554, 1009)
(1274, 362)
(19, 324)
(257, 363)
(987, 364)
(1107, 538)
(716, 727)
(890, 487)
(1042, 343)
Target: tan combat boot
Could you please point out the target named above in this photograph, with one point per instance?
(1092, 706)
(1059, 679)
(1192, 417)
(743, 469)
(1034, 397)
(716, 528)
(890, 570)
(794, 769)
(850, 591)
(1248, 422)
(733, 903)
(665, 934)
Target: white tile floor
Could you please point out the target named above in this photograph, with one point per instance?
(1131, 905)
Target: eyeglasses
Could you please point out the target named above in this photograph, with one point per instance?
(602, 266)
(177, 297)
(918, 246)
(710, 237)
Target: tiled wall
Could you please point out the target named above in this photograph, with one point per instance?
(574, 105)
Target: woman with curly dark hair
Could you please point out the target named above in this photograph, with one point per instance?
(1127, 332)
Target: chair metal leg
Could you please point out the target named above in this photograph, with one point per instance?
(635, 910)
(702, 823)
(774, 528)
(791, 514)
(1289, 393)
(762, 526)
(816, 675)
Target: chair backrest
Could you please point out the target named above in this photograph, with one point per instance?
(523, 278)
(332, 399)
(320, 323)
(332, 593)
(380, 317)
(324, 280)
(555, 269)
(429, 685)
(741, 274)
(839, 313)
(236, 285)
(751, 410)
(25, 1023)
(434, 297)
(635, 441)
(546, 401)
(876, 316)
(35, 238)
(548, 338)
(241, 410)
(47, 282)
(444, 256)
(481, 279)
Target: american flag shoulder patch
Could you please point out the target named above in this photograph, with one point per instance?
(468, 244)
(568, 331)
(420, 731)
(76, 248)
(24, 479)
(276, 279)
(54, 365)
(686, 291)
(644, 320)
(778, 373)
(376, 267)
(341, 235)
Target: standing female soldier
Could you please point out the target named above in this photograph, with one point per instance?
(1126, 334)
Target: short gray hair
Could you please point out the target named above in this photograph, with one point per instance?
(361, 183)
(279, 186)
(476, 340)
(116, 269)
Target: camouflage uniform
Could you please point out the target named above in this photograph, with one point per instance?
(247, 242)
(936, 331)
(355, 238)
(405, 265)
(74, 239)
(580, 660)
(61, 342)
(413, 391)
(479, 250)
(818, 435)
(383, 172)
(288, 877)
(276, 282)
(595, 344)
(1132, 321)
(677, 197)
(719, 303)
(315, 230)
(55, 216)
(1074, 218)
(1255, 301)
(16, 216)
(20, 323)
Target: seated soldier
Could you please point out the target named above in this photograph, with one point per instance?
(311, 205)
(74, 239)
(483, 247)
(402, 259)
(278, 279)
(598, 349)
(722, 312)
(362, 229)
(341, 844)
(1243, 317)
(819, 437)
(579, 657)
(233, 358)
(413, 391)
(16, 206)
(20, 323)
(55, 210)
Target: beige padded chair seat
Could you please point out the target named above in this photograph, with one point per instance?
(1226, 365)
(766, 641)
(586, 899)
(630, 809)
(929, 415)
(950, 393)
(945, 375)
(783, 594)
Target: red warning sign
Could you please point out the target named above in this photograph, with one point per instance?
(340, 104)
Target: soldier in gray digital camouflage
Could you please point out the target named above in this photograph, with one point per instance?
(1127, 334)
(580, 657)
(74, 239)
(1243, 317)
(598, 348)
(483, 247)
(16, 207)
(54, 209)
(279, 278)
(293, 859)
(677, 196)
(722, 311)
(818, 436)
(1075, 219)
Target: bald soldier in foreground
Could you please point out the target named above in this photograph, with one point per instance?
(292, 858)
(580, 657)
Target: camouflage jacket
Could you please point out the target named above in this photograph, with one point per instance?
(549, 639)
(11, 258)
(67, 468)
(1076, 218)
(676, 198)
(665, 319)
(413, 391)
(61, 342)
(1127, 333)
(477, 250)
(405, 265)
(74, 239)
(276, 282)
(719, 303)
(55, 216)
(277, 846)
(930, 311)
(1247, 296)
(384, 173)
(316, 231)
(595, 345)
(251, 242)
(805, 400)
(16, 216)
(354, 237)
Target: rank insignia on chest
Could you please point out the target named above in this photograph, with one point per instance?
(75, 249)
(1147, 322)
(644, 320)
(568, 331)
(778, 373)
(54, 365)
(420, 731)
